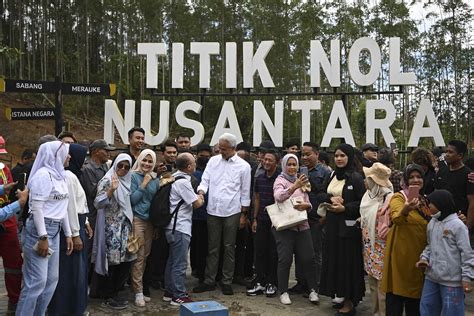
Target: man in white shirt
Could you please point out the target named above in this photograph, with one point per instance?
(227, 180)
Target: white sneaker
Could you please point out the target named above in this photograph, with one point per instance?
(147, 299)
(139, 300)
(337, 300)
(314, 297)
(285, 299)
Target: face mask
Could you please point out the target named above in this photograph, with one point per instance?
(436, 215)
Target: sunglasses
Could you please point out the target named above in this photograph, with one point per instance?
(123, 166)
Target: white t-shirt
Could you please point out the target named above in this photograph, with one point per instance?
(182, 190)
(54, 193)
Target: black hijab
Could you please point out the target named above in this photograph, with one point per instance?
(350, 153)
(444, 201)
(78, 155)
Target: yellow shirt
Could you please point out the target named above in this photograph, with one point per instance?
(405, 242)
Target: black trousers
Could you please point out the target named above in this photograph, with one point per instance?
(156, 261)
(243, 253)
(198, 249)
(114, 282)
(266, 258)
(395, 304)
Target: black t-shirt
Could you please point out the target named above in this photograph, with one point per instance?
(457, 183)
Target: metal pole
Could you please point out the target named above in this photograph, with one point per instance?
(58, 120)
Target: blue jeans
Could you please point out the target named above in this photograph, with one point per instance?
(438, 299)
(177, 263)
(40, 274)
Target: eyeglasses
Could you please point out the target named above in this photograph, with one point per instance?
(123, 166)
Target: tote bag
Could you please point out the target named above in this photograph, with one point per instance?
(284, 215)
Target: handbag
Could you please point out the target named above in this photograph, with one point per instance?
(284, 215)
(383, 218)
(134, 242)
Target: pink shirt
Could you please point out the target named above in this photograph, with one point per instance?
(281, 193)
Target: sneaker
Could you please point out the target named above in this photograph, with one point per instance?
(181, 300)
(314, 297)
(227, 289)
(147, 298)
(337, 300)
(271, 290)
(113, 304)
(167, 297)
(285, 299)
(204, 288)
(256, 290)
(297, 289)
(139, 300)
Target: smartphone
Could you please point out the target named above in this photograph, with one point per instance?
(393, 146)
(413, 192)
(21, 181)
(50, 251)
(304, 170)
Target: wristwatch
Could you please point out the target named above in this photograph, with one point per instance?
(44, 237)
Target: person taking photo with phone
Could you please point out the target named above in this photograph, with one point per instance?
(409, 214)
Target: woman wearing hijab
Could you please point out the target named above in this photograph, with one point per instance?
(402, 281)
(113, 226)
(295, 239)
(144, 186)
(70, 297)
(449, 257)
(379, 192)
(342, 273)
(48, 200)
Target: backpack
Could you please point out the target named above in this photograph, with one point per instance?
(383, 218)
(160, 215)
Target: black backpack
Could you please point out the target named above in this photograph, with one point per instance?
(160, 215)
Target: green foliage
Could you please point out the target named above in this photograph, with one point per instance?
(96, 41)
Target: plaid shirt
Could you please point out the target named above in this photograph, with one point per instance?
(396, 178)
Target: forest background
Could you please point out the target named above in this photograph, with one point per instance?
(90, 41)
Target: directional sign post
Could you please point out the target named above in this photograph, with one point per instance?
(20, 114)
(58, 88)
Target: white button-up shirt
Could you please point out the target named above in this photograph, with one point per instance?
(228, 185)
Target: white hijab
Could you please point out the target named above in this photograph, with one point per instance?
(371, 202)
(51, 156)
(122, 194)
(137, 166)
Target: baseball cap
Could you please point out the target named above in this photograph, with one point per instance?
(2, 146)
(100, 144)
(369, 146)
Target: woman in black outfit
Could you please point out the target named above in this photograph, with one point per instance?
(342, 272)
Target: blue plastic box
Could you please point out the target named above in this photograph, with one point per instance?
(203, 308)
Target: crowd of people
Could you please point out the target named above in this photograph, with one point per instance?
(91, 224)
